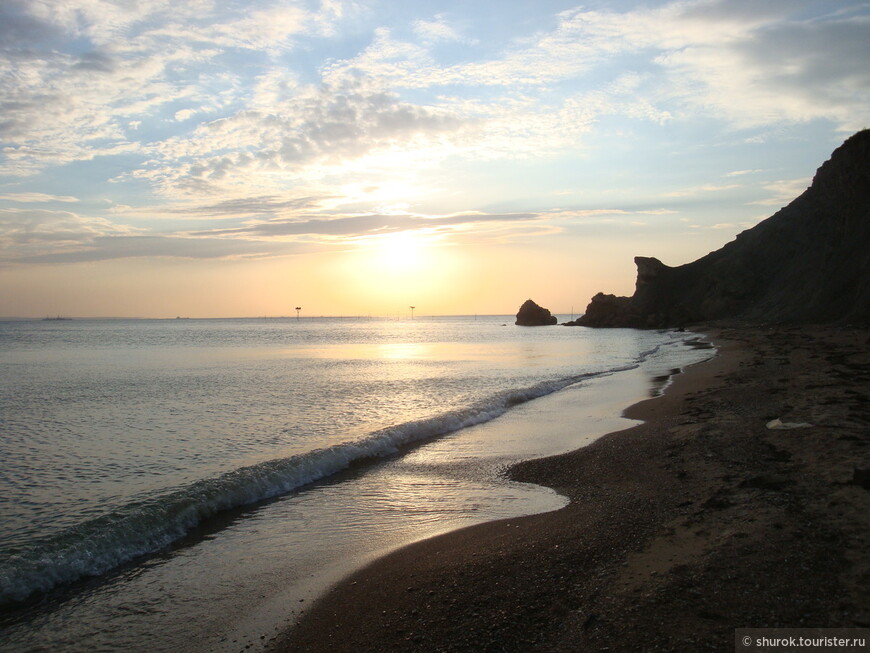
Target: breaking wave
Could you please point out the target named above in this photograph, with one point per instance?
(96, 546)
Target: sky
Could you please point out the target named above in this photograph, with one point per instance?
(215, 158)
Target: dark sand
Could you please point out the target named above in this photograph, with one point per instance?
(696, 522)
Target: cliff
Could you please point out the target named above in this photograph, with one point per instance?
(808, 263)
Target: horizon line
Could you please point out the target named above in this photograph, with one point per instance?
(355, 316)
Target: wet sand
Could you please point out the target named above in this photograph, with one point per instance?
(679, 530)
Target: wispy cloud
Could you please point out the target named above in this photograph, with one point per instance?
(700, 190)
(782, 191)
(36, 198)
(124, 247)
(437, 30)
(364, 225)
(34, 232)
(40, 236)
(741, 173)
(262, 205)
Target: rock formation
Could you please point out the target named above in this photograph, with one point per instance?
(530, 314)
(606, 311)
(808, 263)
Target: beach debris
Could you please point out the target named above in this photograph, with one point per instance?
(778, 425)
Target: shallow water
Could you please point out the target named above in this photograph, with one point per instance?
(111, 422)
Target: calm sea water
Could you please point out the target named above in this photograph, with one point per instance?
(185, 484)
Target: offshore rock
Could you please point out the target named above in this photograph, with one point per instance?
(808, 263)
(530, 314)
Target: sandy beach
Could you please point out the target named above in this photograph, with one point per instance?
(741, 501)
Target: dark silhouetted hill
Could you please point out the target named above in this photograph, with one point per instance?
(808, 263)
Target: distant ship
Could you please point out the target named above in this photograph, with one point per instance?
(55, 319)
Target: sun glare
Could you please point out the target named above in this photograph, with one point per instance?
(391, 272)
(401, 251)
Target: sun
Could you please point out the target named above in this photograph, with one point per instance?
(390, 272)
(401, 251)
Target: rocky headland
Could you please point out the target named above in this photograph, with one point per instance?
(808, 263)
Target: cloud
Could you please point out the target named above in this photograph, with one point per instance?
(62, 105)
(437, 30)
(472, 224)
(740, 173)
(783, 191)
(395, 63)
(231, 209)
(788, 61)
(318, 127)
(19, 27)
(97, 62)
(263, 205)
(261, 26)
(680, 60)
(603, 215)
(184, 114)
(734, 227)
(36, 198)
(33, 232)
(108, 248)
(699, 190)
(35, 236)
(40, 236)
(364, 225)
(775, 66)
(755, 66)
(59, 107)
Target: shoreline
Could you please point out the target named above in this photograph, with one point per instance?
(643, 409)
(698, 521)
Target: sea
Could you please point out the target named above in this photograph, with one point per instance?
(193, 485)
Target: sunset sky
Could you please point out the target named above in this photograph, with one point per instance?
(208, 158)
